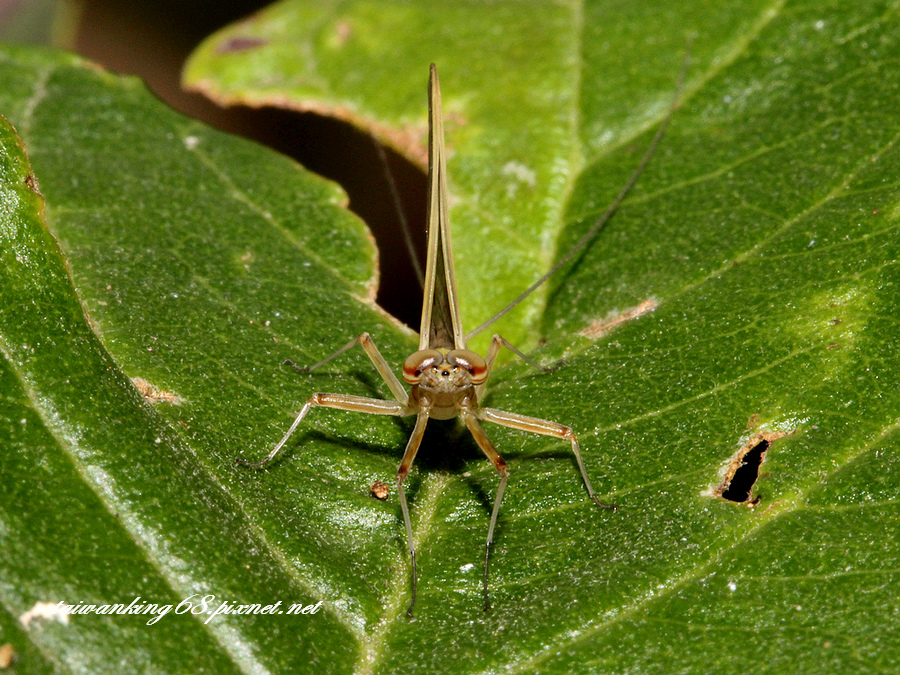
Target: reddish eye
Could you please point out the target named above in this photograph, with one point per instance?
(417, 362)
(471, 362)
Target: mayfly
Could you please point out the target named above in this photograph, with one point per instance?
(447, 379)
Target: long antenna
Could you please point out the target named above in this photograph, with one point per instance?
(610, 210)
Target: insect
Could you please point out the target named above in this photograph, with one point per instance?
(448, 380)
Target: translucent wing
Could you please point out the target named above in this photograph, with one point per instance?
(441, 326)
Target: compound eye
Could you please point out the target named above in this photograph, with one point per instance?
(469, 361)
(418, 362)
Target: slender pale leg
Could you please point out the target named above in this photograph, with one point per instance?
(546, 428)
(361, 404)
(498, 341)
(488, 448)
(373, 406)
(412, 447)
(381, 365)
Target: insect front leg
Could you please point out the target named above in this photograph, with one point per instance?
(381, 365)
(488, 448)
(546, 428)
(412, 447)
(498, 341)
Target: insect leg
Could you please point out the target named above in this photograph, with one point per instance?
(412, 447)
(488, 448)
(547, 428)
(382, 366)
(372, 406)
(498, 341)
(309, 369)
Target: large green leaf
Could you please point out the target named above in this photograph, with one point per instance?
(105, 498)
(535, 96)
(763, 229)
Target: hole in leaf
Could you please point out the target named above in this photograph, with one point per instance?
(742, 481)
(742, 470)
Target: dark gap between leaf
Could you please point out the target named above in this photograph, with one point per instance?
(137, 38)
(340, 152)
(745, 476)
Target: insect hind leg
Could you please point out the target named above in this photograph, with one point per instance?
(488, 448)
(545, 428)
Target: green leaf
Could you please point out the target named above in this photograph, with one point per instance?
(763, 232)
(107, 498)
